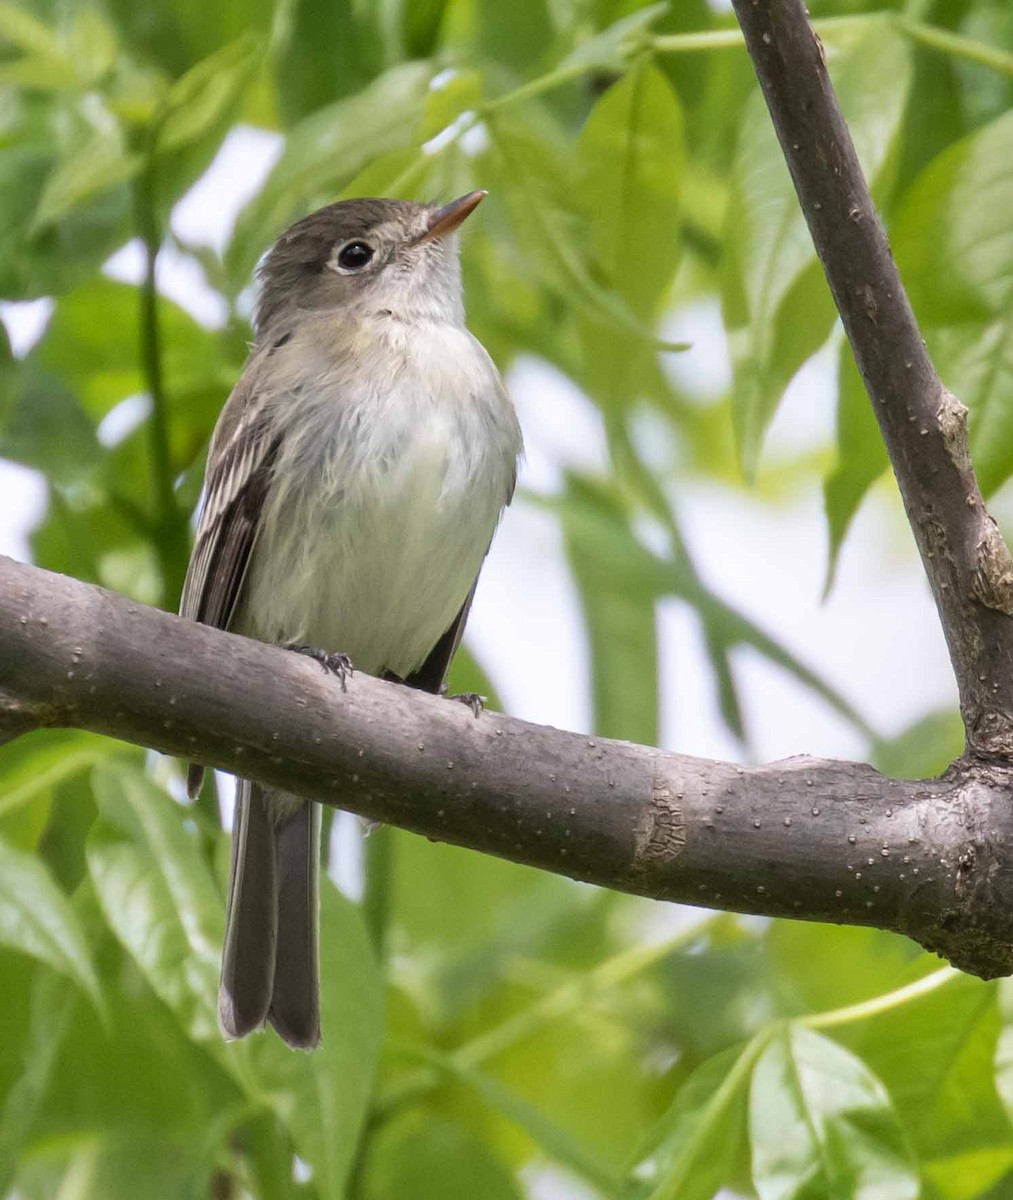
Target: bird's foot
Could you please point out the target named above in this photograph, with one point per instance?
(339, 665)
(472, 699)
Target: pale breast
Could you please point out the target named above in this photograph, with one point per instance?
(393, 470)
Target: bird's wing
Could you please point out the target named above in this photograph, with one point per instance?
(431, 676)
(237, 478)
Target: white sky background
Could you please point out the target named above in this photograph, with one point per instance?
(876, 639)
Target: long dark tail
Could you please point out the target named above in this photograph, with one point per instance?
(270, 964)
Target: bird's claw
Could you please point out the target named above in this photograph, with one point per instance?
(336, 664)
(472, 699)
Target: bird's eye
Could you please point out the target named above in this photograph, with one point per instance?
(353, 256)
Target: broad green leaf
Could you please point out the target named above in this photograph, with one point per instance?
(631, 152)
(19, 27)
(61, 255)
(612, 48)
(91, 44)
(924, 749)
(955, 252)
(38, 403)
(37, 919)
(52, 1005)
(158, 895)
(821, 1124)
(198, 102)
(91, 344)
(532, 166)
(135, 1109)
(631, 156)
(31, 771)
(436, 1160)
(935, 1054)
(861, 457)
(324, 152)
(100, 163)
(777, 306)
(971, 1175)
(352, 33)
(556, 1142)
(696, 1143)
(819, 967)
(517, 35)
(618, 610)
(321, 1098)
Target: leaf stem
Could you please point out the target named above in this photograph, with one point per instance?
(150, 343)
(379, 878)
(728, 39)
(880, 1004)
(574, 996)
(170, 533)
(957, 45)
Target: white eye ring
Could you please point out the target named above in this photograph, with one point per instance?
(353, 256)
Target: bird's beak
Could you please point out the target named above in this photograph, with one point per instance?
(446, 219)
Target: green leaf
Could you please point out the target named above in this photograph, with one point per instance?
(37, 919)
(619, 582)
(555, 1141)
(307, 79)
(99, 163)
(324, 152)
(437, 1161)
(38, 262)
(612, 48)
(954, 248)
(695, 1145)
(157, 894)
(631, 156)
(861, 457)
(777, 306)
(821, 1124)
(935, 1054)
(53, 1001)
(322, 1098)
(28, 33)
(631, 153)
(205, 96)
(822, 967)
(90, 344)
(924, 749)
(33, 765)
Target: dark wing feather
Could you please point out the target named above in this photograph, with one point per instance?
(238, 476)
(431, 675)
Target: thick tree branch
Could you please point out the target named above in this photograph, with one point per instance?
(923, 425)
(822, 840)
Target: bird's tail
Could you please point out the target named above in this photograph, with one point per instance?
(270, 964)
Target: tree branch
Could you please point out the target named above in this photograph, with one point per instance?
(923, 425)
(807, 838)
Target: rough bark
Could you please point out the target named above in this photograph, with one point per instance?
(817, 839)
(923, 425)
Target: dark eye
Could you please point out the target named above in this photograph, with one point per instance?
(354, 256)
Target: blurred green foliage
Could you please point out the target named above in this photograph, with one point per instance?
(486, 1028)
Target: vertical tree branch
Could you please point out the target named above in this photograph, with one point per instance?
(169, 524)
(923, 425)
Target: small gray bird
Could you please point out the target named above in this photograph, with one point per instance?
(355, 478)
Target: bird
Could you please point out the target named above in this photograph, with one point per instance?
(354, 481)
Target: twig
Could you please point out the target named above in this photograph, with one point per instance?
(924, 427)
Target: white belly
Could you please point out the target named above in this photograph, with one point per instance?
(383, 503)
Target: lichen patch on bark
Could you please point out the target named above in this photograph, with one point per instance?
(661, 832)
